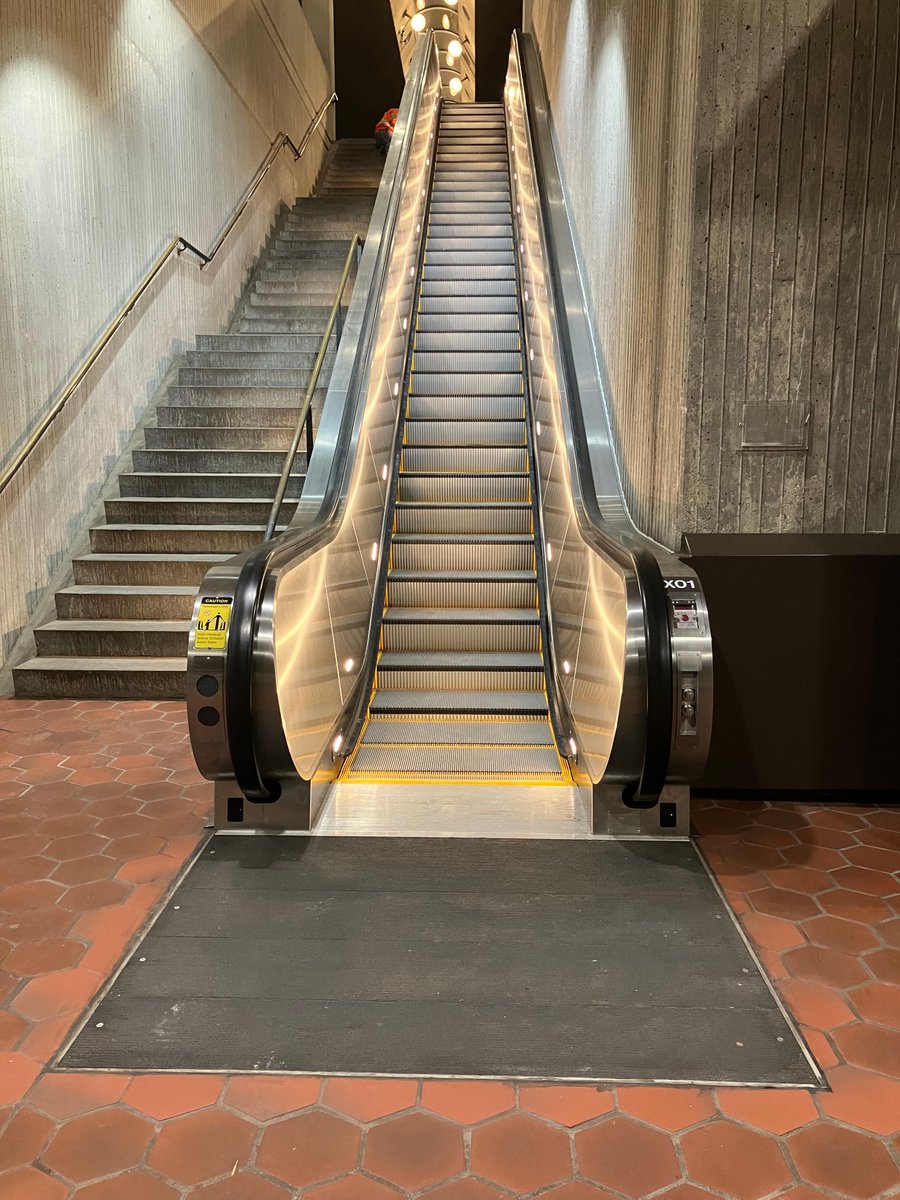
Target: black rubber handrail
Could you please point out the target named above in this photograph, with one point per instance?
(290, 545)
(626, 552)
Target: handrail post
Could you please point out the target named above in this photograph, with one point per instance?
(304, 421)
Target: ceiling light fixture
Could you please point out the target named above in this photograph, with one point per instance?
(454, 47)
(418, 23)
(455, 85)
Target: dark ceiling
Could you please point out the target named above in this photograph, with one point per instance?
(369, 77)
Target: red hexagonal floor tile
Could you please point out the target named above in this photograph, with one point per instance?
(97, 1144)
(729, 1158)
(667, 1107)
(414, 1151)
(467, 1101)
(627, 1157)
(65, 1096)
(17, 1074)
(165, 1096)
(780, 902)
(850, 1163)
(368, 1099)
(245, 1186)
(863, 1099)
(266, 1096)
(840, 934)
(193, 1149)
(815, 1005)
(878, 1002)
(309, 1148)
(356, 1187)
(870, 1046)
(568, 1106)
(863, 879)
(40, 958)
(772, 932)
(822, 965)
(885, 965)
(521, 1153)
(31, 1184)
(135, 1185)
(23, 1139)
(53, 995)
(772, 1110)
(854, 906)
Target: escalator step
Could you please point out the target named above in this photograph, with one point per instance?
(470, 306)
(475, 361)
(463, 518)
(464, 433)
(446, 761)
(484, 383)
(527, 731)
(465, 320)
(459, 342)
(468, 703)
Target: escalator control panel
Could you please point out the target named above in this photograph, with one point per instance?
(684, 612)
(686, 617)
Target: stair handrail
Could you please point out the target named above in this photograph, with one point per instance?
(178, 245)
(305, 417)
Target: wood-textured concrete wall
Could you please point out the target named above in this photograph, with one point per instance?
(795, 280)
(122, 124)
(621, 75)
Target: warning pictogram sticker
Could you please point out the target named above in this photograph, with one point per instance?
(212, 623)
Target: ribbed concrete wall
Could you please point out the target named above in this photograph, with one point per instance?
(621, 76)
(796, 266)
(124, 123)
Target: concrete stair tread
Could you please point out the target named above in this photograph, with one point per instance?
(90, 663)
(127, 589)
(113, 625)
(112, 556)
(171, 528)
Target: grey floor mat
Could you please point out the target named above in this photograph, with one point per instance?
(426, 956)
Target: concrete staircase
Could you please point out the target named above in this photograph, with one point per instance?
(354, 169)
(200, 487)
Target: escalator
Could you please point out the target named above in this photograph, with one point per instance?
(459, 682)
(462, 595)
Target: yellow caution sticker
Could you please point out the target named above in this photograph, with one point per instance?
(212, 623)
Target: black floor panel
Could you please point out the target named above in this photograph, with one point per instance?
(430, 956)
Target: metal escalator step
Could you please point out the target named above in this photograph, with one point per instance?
(463, 518)
(411, 589)
(465, 246)
(471, 305)
(466, 320)
(462, 191)
(479, 294)
(466, 343)
(524, 731)
(464, 433)
(447, 488)
(461, 616)
(497, 383)
(470, 460)
(475, 264)
(475, 361)
(453, 679)
(400, 660)
(466, 408)
(456, 762)
(456, 281)
(486, 635)
(463, 555)
(468, 279)
(496, 234)
(443, 210)
(468, 703)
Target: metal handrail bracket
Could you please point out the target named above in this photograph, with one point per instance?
(178, 245)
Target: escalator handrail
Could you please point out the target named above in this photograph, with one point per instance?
(316, 522)
(627, 549)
